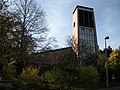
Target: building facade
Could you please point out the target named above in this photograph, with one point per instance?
(84, 35)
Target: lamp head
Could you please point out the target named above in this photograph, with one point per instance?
(107, 37)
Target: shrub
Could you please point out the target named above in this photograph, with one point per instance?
(57, 78)
(9, 72)
(88, 75)
(117, 72)
(29, 78)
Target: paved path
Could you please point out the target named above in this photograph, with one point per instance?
(111, 88)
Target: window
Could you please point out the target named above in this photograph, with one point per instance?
(81, 17)
(74, 24)
(87, 36)
(91, 19)
(86, 18)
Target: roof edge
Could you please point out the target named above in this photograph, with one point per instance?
(53, 50)
(78, 6)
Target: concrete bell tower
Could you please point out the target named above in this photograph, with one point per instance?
(84, 37)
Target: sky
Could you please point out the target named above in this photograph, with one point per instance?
(107, 19)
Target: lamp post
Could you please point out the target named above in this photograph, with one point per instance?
(106, 64)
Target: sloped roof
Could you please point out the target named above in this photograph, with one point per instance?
(48, 57)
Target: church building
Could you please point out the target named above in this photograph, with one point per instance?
(84, 39)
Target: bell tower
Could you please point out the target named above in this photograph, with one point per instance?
(84, 37)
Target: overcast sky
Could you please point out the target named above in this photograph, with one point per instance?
(107, 16)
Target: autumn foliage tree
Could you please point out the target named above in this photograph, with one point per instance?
(114, 63)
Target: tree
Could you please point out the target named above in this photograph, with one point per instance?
(101, 64)
(8, 45)
(59, 76)
(23, 30)
(114, 58)
(66, 59)
(68, 41)
(3, 5)
(109, 51)
(114, 63)
(28, 14)
(8, 50)
(31, 34)
(33, 23)
(87, 54)
(7, 24)
(8, 53)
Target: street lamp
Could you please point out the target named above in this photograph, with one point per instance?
(106, 64)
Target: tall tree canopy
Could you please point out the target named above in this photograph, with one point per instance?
(33, 23)
(23, 30)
